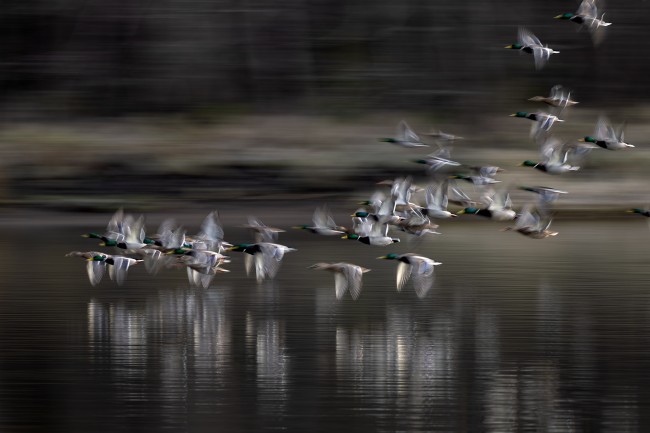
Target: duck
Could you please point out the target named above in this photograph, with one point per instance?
(370, 233)
(202, 266)
(606, 137)
(347, 277)
(323, 223)
(644, 212)
(587, 17)
(476, 180)
(405, 137)
(436, 199)
(261, 232)
(96, 265)
(499, 207)
(532, 224)
(418, 225)
(210, 236)
(559, 97)
(265, 256)
(529, 43)
(115, 230)
(547, 195)
(418, 268)
(543, 121)
(555, 157)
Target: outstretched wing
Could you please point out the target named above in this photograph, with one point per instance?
(527, 39)
(423, 275)
(95, 271)
(340, 284)
(353, 275)
(587, 9)
(403, 274)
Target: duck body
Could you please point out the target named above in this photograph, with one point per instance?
(265, 257)
(405, 137)
(347, 277)
(606, 137)
(415, 267)
(529, 43)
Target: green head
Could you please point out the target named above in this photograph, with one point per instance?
(177, 251)
(388, 140)
(92, 236)
(520, 114)
(515, 46)
(389, 256)
(148, 241)
(588, 139)
(361, 214)
(470, 210)
(240, 247)
(529, 163)
(352, 236)
(109, 243)
(97, 258)
(637, 210)
(564, 16)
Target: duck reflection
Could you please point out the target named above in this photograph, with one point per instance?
(405, 362)
(183, 336)
(266, 339)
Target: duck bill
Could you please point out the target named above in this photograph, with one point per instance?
(382, 257)
(558, 17)
(508, 46)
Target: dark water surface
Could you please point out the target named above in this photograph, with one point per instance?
(517, 335)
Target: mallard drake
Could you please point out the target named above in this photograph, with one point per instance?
(644, 212)
(555, 157)
(437, 163)
(405, 137)
(347, 277)
(476, 180)
(606, 137)
(370, 233)
(529, 43)
(499, 207)
(115, 230)
(418, 268)
(436, 200)
(265, 256)
(543, 121)
(323, 223)
(587, 17)
(532, 224)
(96, 265)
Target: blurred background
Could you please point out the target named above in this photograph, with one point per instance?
(141, 103)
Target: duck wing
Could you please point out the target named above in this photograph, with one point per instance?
(353, 275)
(95, 271)
(422, 273)
(527, 39)
(403, 274)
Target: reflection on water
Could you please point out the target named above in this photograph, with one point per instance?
(505, 342)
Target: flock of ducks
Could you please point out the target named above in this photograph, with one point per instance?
(390, 209)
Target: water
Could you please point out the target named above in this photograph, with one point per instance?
(517, 335)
